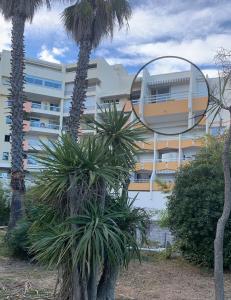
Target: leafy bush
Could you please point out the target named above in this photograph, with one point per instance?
(196, 204)
(4, 207)
(19, 240)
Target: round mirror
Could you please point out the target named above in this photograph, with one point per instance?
(170, 95)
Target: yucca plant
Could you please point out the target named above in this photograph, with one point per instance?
(102, 238)
(100, 233)
(120, 134)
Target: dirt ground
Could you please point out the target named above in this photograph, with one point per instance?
(154, 279)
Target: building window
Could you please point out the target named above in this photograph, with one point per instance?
(7, 138)
(215, 131)
(5, 156)
(8, 120)
(33, 80)
(43, 82)
(53, 84)
(159, 94)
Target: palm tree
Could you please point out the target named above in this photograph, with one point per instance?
(88, 22)
(18, 12)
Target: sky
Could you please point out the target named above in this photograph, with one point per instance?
(194, 30)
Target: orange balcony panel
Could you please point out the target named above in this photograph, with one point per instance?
(128, 106)
(139, 186)
(171, 165)
(200, 103)
(145, 186)
(171, 144)
(166, 108)
(203, 121)
(25, 145)
(145, 145)
(26, 126)
(192, 143)
(144, 166)
(27, 106)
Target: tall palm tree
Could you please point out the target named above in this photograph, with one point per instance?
(88, 22)
(18, 12)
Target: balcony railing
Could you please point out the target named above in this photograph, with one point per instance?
(41, 106)
(169, 97)
(44, 125)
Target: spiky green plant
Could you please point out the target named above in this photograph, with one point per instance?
(120, 134)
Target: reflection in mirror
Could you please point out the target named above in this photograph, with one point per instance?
(170, 95)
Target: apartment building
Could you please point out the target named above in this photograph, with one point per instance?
(48, 92)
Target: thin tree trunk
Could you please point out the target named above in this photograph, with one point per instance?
(79, 285)
(80, 88)
(219, 240)
(107, 284)
(17, 98)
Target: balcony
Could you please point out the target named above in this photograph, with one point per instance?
(170, 104)
(45, 109)
(43, 127)
(144, 186)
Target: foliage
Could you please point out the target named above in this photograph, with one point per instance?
(4, 206)
(19, 240)
(94, 20)
(196, 203)
(97, 234)
(119, 134)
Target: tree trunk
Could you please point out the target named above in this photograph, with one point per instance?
(79, 285)
(17, 99)
(219, 240)
(80, 88)
(92, 284)
(107, 284)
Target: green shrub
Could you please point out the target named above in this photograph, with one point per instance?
(4, 207)
(19, 240)
(195, 205)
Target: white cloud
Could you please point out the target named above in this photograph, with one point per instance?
(59, 51)
(50, 55)
(5, 34)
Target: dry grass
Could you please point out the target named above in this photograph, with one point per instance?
(155, 278)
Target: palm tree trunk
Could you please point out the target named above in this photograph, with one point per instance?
(79, 286)
(17, 98)
(219, 240)
(80, 88)
(107, 283)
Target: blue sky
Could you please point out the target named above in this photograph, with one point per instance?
(192, 29)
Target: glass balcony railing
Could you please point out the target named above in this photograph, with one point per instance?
(41, 106)
(37, 124)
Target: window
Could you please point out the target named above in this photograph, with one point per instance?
(160, 93)
(53, 84)
(5, 156)
(111, 101)
(217, 131)
(43, 82)
(7, 138)
(8, 120)
(33, 80)
(54, 107)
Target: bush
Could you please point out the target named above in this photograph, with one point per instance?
(19, 240)
(195, 205)
(4, 207)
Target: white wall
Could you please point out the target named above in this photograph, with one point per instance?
(155, 201)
